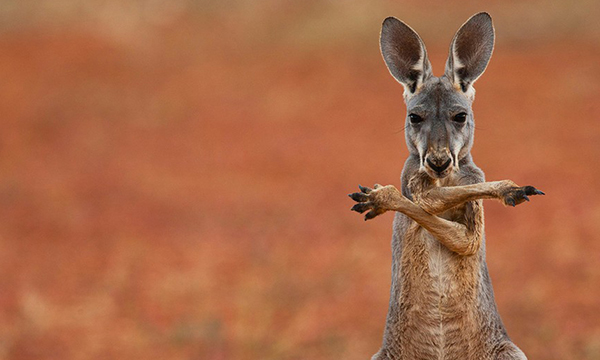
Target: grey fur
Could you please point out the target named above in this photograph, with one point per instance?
(442, 302)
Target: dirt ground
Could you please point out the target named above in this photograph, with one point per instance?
(175, 188)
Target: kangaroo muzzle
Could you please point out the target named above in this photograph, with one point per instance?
(438, 165)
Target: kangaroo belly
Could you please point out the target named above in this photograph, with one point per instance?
(436, 299)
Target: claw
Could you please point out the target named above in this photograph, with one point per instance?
(370, 215)
(364, 189)
(511, 202)
(359, 197)
(530, 190)
(361, 207)
(525, 197)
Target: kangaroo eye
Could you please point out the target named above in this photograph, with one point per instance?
(460, 117)
(415, 119)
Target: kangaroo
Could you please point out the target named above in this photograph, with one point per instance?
(442, 302)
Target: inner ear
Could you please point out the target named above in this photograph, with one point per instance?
(404, 54)
(470, 50)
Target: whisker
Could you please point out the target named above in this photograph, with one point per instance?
(401, 130)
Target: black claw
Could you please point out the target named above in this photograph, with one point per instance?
(360, 197)
(361, 207)
(364, 189)
(525, 197)
(530, 190)
(370, 215)
(511, 202)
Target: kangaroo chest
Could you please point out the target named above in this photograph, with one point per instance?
(437, 298)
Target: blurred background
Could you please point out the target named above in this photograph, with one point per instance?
(173, 175)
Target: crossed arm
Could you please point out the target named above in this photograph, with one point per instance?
(458, 237)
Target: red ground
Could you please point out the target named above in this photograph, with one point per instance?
(184, 196)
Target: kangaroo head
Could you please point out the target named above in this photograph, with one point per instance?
(439, 123)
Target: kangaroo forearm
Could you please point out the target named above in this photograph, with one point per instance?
(437, 200)
(453, 235)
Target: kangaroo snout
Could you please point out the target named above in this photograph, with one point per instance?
(439, 165)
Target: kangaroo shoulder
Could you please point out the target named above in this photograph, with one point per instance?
(470, 174)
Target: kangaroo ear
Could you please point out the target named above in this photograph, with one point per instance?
(470, 51)
(404, 54)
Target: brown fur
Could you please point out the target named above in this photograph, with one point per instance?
(440, 307)
(441, 303)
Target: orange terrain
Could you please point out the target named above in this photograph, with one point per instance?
(178, 191)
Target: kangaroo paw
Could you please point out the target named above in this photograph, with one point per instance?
(516, 195)
(377, 200)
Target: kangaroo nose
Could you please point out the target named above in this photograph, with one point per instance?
(439, 165)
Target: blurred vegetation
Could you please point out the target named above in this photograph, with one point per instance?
(173, 175)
